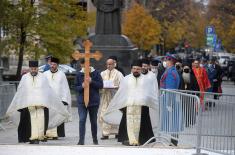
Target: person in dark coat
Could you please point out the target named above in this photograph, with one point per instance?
(116, 65)
(190, 84)
(217, 80)
(161, 69)
(233, 73)
(179, 69)
(96, 83)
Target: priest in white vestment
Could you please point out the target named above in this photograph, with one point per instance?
(152, 78)
(135, 96)
(111, 80)
(59, 84)
(33, 99)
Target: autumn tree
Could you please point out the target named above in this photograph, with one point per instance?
(3, 23)
(176, 32)
(180, 20)
(231, 38)
(141, 27)
(50, 26)
(221, 14)
(196, 24)
(21, 18)
(59, 24)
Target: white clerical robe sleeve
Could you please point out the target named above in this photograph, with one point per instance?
(66, 95)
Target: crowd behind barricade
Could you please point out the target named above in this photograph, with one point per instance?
(193, 73)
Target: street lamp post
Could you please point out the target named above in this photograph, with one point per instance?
(1, 73)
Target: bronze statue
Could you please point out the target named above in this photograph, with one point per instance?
(108, 18)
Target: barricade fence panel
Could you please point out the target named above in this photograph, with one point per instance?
(7, 93)
(179, 116)
(201, 120)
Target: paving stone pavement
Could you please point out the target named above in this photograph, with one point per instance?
(9, 135)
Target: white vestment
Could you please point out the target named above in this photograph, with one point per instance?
(37, 123)
(111, 81)
(133, 93)
(153, 114)
(59, 84)
(36, 92)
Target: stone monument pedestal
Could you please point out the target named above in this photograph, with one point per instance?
(111, 45)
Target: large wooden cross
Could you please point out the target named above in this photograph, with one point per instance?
(87, 56)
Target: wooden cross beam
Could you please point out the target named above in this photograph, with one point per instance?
(87, 56)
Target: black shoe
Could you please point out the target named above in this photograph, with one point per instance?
(34, 142)
(80, 143)
(55, 138)
(44, 140)
(104, 137)
(174, 142)
(95, 142)
(126, 142)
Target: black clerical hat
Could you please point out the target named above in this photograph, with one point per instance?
(154, 62)
(113, 57)
(55, 60)
(136, 63)
(145, 61)
(33, 63)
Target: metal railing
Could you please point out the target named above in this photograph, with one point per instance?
(206, 123)
(7, 93)
(216, 131)
(178, 116)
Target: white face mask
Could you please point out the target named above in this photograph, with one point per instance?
(154, 70)
(209, 65)
(164, 64)
(201, 65)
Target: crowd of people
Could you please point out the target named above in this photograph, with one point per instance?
(123, 105)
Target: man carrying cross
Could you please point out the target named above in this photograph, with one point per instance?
(88, 83)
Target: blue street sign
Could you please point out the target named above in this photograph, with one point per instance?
(214, 40)
(218, 46)
(210, 30)
(210, 40)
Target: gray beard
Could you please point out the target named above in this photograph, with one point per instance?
(186, 77)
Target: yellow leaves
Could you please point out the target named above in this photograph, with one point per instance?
(231, 38)
(141, 27)
(176, 32)
(219, 29)
(60, 24)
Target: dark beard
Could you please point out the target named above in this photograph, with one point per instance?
(54, 71)
(135, 74)
(34, 74)
(145, 72)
